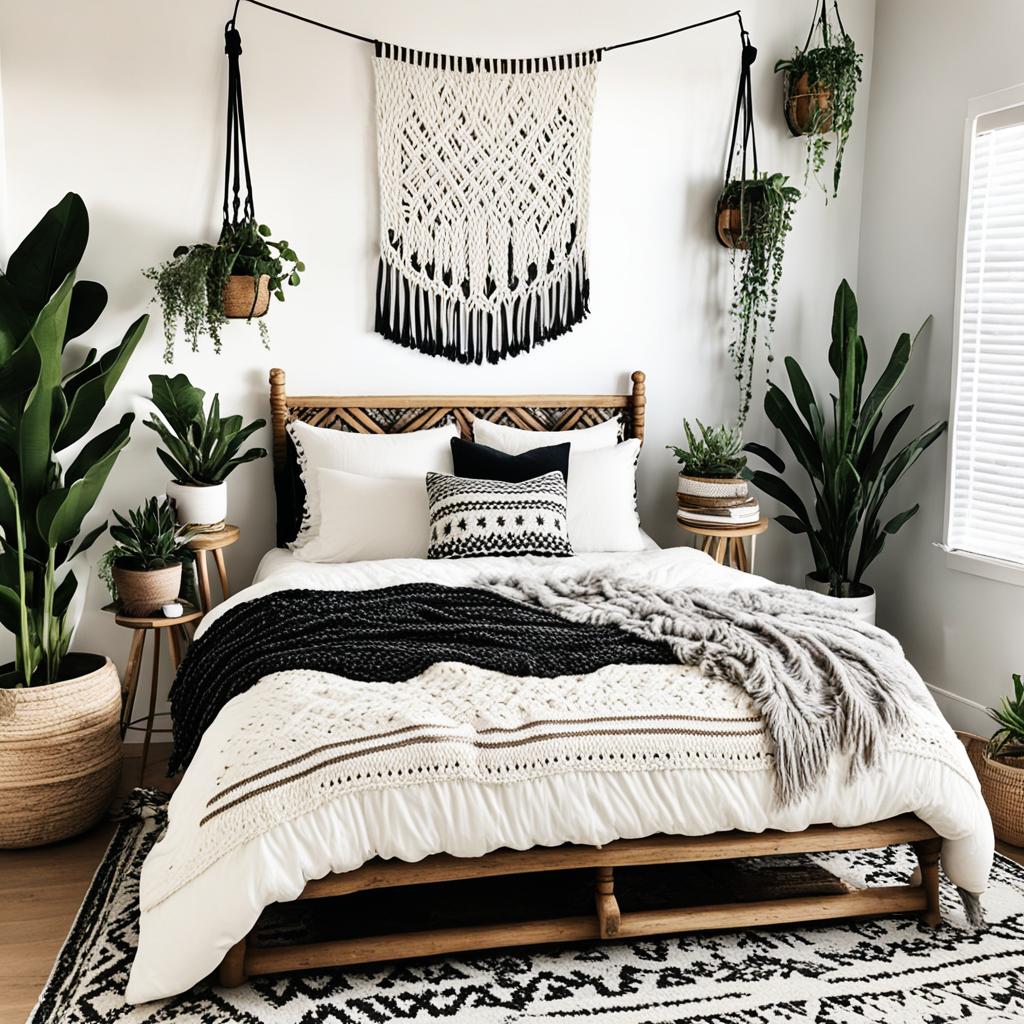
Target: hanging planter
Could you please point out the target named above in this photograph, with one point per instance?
(753, 218)
(204, 285)
(820, 89)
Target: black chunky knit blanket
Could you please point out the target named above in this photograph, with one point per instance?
(387, 635)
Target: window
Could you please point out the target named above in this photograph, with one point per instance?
(985, 513)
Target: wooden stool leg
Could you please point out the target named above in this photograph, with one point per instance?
(153, 683)
(741, 554)
(720, 549)
(927, 851)
(231, 972)
(204, 581)
(609, 918)
(131, 677)
(753, 552)
(222, 572)
(173, 648)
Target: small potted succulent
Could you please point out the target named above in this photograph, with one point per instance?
(143, 570)
(204, 285)
(753, 219)
(712, 462)
(820, 89)
(202, 450)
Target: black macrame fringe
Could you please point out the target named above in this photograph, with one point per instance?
(416, 318)
(497, 65)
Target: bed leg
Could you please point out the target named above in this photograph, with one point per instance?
(927, 851)
(608, 916)
(231, 972)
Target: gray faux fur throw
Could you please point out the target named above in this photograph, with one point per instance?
(822, 680)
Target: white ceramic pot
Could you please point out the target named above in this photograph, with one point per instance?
(861, 604)
(201, 509)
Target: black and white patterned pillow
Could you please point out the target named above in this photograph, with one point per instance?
(471, 518)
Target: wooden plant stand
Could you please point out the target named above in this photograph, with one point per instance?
(725, 544)
(609, 921)
(215, 542)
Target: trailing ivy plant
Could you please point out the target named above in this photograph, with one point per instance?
(190, 285)
(834, 68)
(766, 206)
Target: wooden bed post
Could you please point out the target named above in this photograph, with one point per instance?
(231, 972)
(638, 404)
(278, 416)
(608, 917)
(927, 851)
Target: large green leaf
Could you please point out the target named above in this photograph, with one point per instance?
(50, 252)
(10, 610)
(86, 400)
(803, 396)
(844, 324)
(88, 300)
(14, 322)
(777, 488)
(783, 416)
(764, 452)
(97, 448)
(898, 521)
(180, 404)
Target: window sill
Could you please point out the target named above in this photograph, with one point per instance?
(989, 568)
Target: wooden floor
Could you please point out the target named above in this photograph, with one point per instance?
(41, 890)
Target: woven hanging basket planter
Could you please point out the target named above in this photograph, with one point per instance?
(808, 108)
(243, 300)
(1002, 785)
(60, 753)
(145, 592)
(729, 219)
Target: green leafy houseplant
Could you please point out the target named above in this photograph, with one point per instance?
(715, 452)
(190, 286)
(202, 447)
(821, 88)
(45, 408)
(846, 458)
(755, 218)
(1008, 739)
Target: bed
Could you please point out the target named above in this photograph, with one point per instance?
(247, 829)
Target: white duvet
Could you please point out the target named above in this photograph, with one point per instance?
(184, 937)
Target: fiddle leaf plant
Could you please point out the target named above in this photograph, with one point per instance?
(45, 408)
(847, 456)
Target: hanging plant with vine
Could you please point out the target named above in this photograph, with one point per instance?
(821, 89)
(753, 220)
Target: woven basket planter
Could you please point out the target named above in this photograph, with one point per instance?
(145, 592)
(60, 754)
(1002, 786)
(239, 293)
(711, 491)
(803, 103)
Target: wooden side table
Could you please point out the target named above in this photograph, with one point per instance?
(140, 625)
(215, 542)
(725, 544)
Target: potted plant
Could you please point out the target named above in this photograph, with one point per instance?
(60, 741)
(712, 462)
(1001, 768)
(204, 285)
(753, 219)
(820, 89)
(202, 450)
(847, 459)
(143, 570)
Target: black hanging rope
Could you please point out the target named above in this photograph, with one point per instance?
(744, 113)
(366, 39)
(236, 159)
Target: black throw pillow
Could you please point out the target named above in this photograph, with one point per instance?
(483, 463)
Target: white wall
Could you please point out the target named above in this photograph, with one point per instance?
(962, 632)
(123, 102)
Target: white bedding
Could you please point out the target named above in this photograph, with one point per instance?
(186, 935)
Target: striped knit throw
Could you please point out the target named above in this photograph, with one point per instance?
(484, 187)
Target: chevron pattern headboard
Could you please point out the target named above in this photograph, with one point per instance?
(392, 414)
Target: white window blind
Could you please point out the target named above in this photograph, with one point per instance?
(986, 508)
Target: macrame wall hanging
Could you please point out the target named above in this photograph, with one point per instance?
(484, 172)
(484, 169)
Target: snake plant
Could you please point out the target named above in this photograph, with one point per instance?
(847, 459)
(202, 446)
(45, 409)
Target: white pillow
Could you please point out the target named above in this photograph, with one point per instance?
(602, 499)
(368, 517)
(381, 455)
(514, 441)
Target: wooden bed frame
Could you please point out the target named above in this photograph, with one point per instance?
(609, 921)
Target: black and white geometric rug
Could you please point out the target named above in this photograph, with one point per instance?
(890, 970)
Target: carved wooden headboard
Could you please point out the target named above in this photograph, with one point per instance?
(393, 414)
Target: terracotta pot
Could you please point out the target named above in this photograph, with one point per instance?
(239, 293)
(804, 102)
(201, 509)
(60, 753)
(1002, 786)
(860, 603)
(143, 592)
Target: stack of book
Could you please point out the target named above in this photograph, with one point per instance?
(725, 511)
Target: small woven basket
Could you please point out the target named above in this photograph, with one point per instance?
(239, 293)
(145, 592)
(1002, 785)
